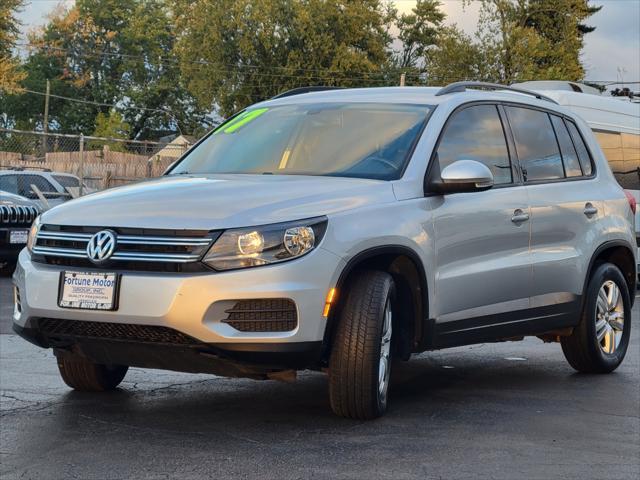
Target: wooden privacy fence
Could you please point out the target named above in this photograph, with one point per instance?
(100, 162)
(99, 169)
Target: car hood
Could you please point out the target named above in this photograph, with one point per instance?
(7, 198)
(219, 201)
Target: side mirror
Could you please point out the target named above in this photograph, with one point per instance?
(463, 176)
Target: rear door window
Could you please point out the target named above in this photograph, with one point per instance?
(568, 151)
(536, 144)
(25, 182)
(476, 133)
(581, 148)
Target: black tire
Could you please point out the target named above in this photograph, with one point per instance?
(582, 348)
(7, 267)
(356, 353)
(86, 376)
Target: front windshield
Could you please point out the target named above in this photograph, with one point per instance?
(348, 140)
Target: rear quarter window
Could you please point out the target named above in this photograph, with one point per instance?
(569, 155)
(67, 182)
(583, 153)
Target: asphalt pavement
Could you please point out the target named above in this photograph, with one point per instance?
(501, 411)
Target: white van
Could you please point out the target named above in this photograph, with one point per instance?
(615, 121)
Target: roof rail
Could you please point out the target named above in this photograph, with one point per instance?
(458, 87)
(22, 168)
(301, 90)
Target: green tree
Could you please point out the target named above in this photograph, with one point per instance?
(237, 52)
(534, 39)
(104, 53)
(457, 57)
(418, 32)
(10, 74)
(111, 126)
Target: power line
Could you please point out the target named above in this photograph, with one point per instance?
(100, 104)
(328, 74)
(236, 69)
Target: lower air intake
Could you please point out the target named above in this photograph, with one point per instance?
(53, 327)
(263, 315)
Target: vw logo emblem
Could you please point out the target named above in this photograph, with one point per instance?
(101, 246)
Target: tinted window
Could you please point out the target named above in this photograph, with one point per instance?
(67, 181)
(476, 133)
(581, 148)
(536, 144)
(25, 182)
(569, 155)
(9, 183)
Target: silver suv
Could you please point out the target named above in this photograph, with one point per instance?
(338, 231)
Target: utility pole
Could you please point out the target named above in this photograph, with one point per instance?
(81, 166)
(402, 77)
(45, 126)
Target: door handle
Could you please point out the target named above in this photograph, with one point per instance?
(519, 216)
(589, 209)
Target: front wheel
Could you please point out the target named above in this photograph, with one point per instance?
(599, 343)
(360, 362)
(85, 376)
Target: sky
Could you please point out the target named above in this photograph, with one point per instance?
(611, 52)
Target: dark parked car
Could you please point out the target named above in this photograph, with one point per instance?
(16, 216)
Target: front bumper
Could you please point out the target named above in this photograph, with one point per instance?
(9, 251)
(193, 304)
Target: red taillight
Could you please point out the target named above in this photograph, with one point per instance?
(632, 201)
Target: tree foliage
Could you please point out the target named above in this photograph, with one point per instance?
(10, 74)
(108, 52)
(418, 32)
(113, 126)
(235, 52)
(161, 66)
(534, 39)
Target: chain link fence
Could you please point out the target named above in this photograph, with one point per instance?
(629, 179)
(99, 162)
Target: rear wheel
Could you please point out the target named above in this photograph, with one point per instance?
(83, 375)
(360, 362)
(7, 267)
(599, 343)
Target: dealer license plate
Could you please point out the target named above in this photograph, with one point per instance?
(89, 291)
(18, 236)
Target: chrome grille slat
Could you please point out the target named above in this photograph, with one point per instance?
(60, 252)
(164, 257)
(18, 214)
(63, 242)
(128, 239)
(162, 241)
(81, 237)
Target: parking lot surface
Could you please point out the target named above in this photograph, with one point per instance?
(501, 411)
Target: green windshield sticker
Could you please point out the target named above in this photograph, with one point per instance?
(243, 119)
(228, 123)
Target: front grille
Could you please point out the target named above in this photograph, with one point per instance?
(263, 315)
(136, 249)
(17, 214)
(57, 328)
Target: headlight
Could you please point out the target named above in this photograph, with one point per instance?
(264, 245)
(33, 232)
